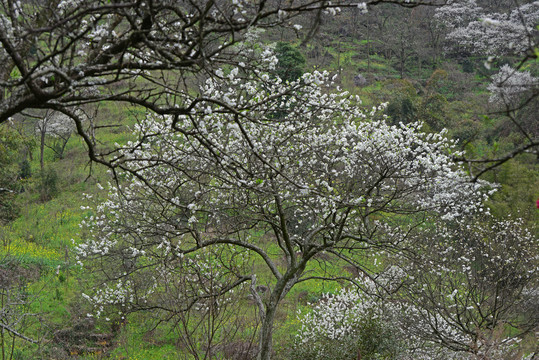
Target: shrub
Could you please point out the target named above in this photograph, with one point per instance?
(291, 62)
(25, 171)
(343, 326)
(48, 185)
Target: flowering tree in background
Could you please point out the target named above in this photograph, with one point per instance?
(478, 293)
(468, 291)
(480, 32)
(492, 35)
(308, 169)
(509, 86)
(60, 128)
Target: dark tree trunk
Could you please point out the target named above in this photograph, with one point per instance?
(43, 129)
(282, 287)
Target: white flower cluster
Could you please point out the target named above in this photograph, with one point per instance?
(509, 84)
(362, 6)
(58, 124)
(442, 304)
(64, 6)
(334, 317)
(494, 33)
(340, 316)
(120, 294)
(458, 13)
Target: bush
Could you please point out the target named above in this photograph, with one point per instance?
(401, 110)
(25, 171)
(344, 326)
(48, 185)
(291, 62)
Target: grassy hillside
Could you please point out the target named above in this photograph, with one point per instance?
(39, 267)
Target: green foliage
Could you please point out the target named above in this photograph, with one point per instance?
(25, 170)
(520, 189)
(465, 131)
(58, 295)
(15, 73)
(432, 111)
(48, 184)
(401, 110)
(389, 90)
(10, 143)
(291, 62)
(437, 81)
(8, 209)
(468, 66)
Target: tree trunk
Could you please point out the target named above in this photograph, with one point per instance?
(368, 50)
(402, 60)
(42, 145)
(266, 334)
(282, 287)
(339, 57)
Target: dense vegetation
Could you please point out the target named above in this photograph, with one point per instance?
(438, 277)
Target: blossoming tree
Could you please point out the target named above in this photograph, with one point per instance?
(492, 35)
(468, 290)
(307, 168)
(479, 295)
